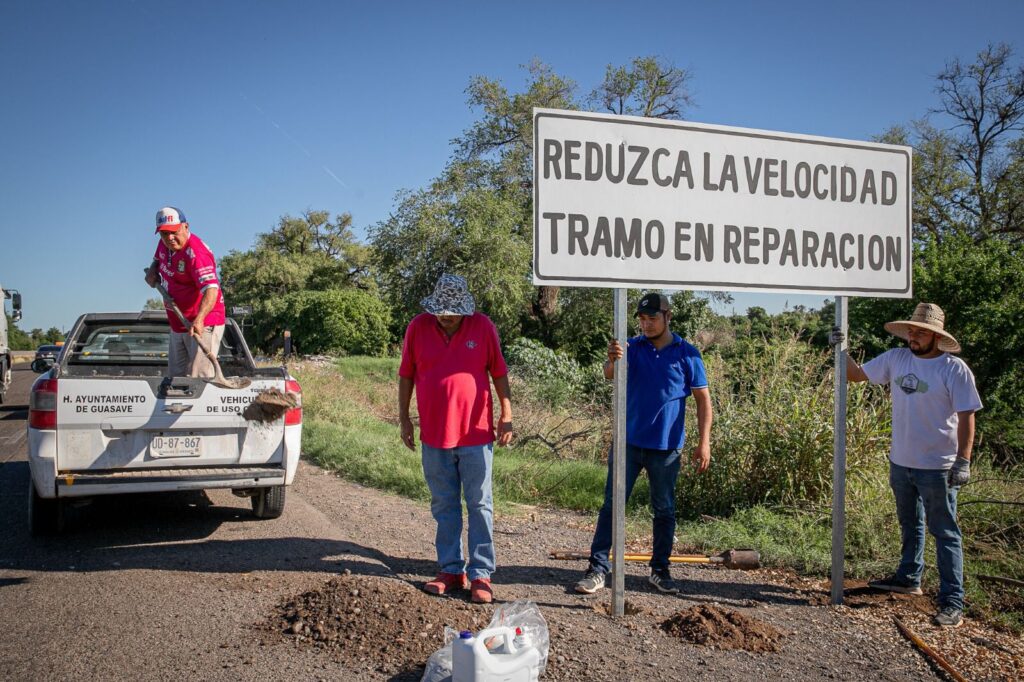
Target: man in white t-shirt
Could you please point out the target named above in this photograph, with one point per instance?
(933, 404)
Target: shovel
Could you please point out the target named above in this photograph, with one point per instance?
(218, 377)
(742, 559)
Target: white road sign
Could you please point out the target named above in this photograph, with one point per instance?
(621, 201)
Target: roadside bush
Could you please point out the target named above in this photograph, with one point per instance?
(336, 322)
(554, 378)
(772, 439)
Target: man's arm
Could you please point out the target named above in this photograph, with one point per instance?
(960, 473)
(405, 421)
(702, 453)
(205, 306)
(965, 435)
(854, 372)
(153, 273)
(504, 392)
(614, 353)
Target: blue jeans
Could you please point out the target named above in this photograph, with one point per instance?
(662, 471)
(451, 473)
(923, 495)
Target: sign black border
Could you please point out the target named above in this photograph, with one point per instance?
(709, 286)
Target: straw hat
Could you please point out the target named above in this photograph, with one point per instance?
(926, 316)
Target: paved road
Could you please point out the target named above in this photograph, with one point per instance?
(160, 586)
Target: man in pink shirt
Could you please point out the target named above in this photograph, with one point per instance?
(448, 353)
(189, 273)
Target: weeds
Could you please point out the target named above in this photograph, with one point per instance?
(769, 486)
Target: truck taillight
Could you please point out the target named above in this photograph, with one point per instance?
(294, 415)
(42, 405)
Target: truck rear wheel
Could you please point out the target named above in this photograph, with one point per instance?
(268, 503)
(45, 516)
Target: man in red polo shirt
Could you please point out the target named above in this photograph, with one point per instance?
(448, 353)
(189, 274)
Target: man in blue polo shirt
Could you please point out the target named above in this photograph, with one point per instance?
(663, 370)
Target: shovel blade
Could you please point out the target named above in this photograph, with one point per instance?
(233, 383)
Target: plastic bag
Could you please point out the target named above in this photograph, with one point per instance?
(439, 665)
(522, 614)
(525, 615)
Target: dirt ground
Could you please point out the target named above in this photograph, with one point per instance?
(190, 586)
(724, 624)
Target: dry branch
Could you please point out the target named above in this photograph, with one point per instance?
(928, 651)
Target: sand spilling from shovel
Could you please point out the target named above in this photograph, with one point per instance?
(719, 628)
(269, 405)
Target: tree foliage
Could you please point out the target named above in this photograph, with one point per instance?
(648, 86)
(311, 252)
(984, 100)
(476, 218)
(460, 225)
(969, 234)
(18, 339)
(337, 322)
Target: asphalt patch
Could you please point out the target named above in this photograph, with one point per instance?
(718, 628)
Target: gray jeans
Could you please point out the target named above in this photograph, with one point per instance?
(184, 357)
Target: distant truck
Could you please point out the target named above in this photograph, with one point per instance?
(6, 360)
(104, 418)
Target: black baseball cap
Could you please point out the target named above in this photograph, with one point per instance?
(651, 304)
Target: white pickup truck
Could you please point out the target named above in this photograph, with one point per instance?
(106, 419)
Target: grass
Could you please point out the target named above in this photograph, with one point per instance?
(350, 427)
(769, 487)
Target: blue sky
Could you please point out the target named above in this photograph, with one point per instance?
(241, 112)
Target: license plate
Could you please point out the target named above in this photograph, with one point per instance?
(175, 446)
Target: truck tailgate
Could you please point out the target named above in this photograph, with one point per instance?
(136, 423)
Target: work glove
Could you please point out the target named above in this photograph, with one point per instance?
(960, 473)
(836, 336)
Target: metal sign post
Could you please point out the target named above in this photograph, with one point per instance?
(839, 460)
(619, 463)
(626, 202)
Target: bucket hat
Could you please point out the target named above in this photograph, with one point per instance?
(926, 316)
(451, 297)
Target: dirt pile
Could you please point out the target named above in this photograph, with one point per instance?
(269, 405)
(376, 624)
(719, 628)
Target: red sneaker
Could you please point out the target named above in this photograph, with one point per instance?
(480, 591)
(445, 583)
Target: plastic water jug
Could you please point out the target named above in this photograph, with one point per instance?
(505, 661)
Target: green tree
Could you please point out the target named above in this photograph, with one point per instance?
(492, 170)
(461, 225)
(648, 86)
(311, 252)
(968, 218)
(339, 322)
(18, 339)
(985, 102)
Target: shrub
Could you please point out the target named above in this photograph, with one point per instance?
(554, 378)
(772, 439)
(339, 322)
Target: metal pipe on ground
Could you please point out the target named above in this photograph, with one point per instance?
(737, 559)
